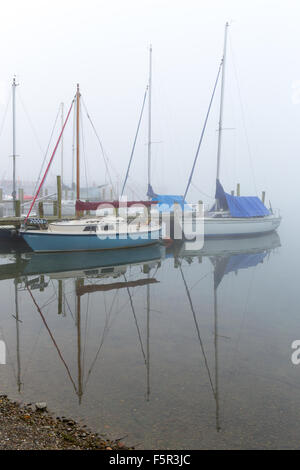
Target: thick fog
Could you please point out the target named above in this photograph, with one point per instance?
(104, 46)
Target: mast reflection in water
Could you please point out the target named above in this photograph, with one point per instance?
(134, 335)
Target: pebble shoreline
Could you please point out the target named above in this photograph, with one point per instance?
(32, 427)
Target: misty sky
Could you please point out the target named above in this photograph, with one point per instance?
(103, 45)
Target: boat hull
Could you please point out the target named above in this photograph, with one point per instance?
(230, 227)
(43, 241)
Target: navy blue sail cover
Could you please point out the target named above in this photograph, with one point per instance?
(166, 201)
(233, 263)
(240, 206)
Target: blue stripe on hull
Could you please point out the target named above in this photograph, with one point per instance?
(44, 242)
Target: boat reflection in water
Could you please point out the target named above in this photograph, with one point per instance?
(226, 256)
(82, 266)
(108, 271)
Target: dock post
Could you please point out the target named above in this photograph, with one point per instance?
(41, 209)
(21, 195)
(238, 189)
(55, 208)
(17, 208)
(263, 196)
(58, 180)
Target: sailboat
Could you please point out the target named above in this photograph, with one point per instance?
(231, 215)
(84, 234)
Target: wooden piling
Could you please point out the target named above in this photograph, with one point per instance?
(17, 208)
(58, 182)
(41, 209)
(21, 195)
(55, 208)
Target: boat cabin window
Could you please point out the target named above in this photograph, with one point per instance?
(90, 228)
(107, 227)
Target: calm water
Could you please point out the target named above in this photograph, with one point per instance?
(170, 347)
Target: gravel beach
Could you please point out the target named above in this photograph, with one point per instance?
(32, 427)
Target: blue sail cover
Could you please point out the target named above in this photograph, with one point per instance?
(240, 206)
(166, 201)
(233, 263)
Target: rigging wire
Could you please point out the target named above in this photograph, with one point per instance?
(5, 113)
(242, 113)
(46, 153)
(53, 339)
(105, 159)
(50, 161)
(201, 192)
(135, 320)
(73, 152)
(198, 331)
(135, 139)
(84, 155)
(203, 130)
(30, 122)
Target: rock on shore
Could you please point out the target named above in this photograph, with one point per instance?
(32, 427)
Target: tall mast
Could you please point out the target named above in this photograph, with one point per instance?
(62, 145)
(222, 102)
(77, 144)
(14, 137)
(149, 116)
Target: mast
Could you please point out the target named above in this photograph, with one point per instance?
(220, 128)
(14, 137)
(77, 144)
(62, 145)
(149, 116)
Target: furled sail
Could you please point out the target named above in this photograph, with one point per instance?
(165, 202)
(240, 206)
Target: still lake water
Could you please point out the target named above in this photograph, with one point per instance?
(170, 347)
